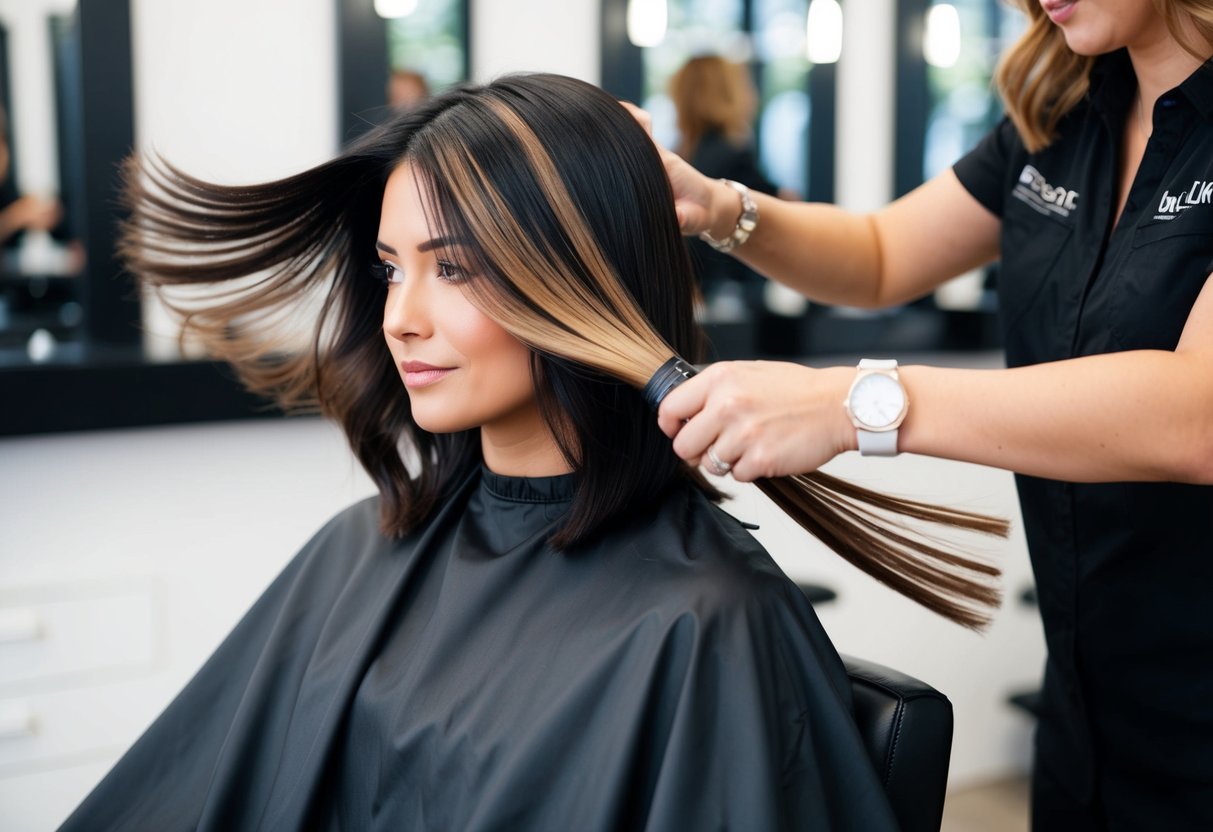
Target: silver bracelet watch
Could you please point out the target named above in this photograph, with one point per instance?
(746, 223)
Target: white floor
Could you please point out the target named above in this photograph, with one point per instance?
(997, 806)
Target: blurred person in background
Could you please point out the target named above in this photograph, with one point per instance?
(20, 212)
(716, 104)
(406, 88)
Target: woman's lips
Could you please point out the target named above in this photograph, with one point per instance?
(1059, 12)
(419, 374)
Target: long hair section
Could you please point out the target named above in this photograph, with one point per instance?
(579, 257)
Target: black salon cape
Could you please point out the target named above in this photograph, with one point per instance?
(667, 677)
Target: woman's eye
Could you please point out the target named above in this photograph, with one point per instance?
(386, 273)
(449, 272)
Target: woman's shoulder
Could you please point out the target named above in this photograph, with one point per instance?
(690, 553)
(348, 537)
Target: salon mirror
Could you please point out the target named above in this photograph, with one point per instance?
(42, 255)
(394, 53)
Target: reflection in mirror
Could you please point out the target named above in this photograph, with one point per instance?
(763, 116)
(41, 255)
(394, 53)
(427, 45)
(962, 40)
(426, 49)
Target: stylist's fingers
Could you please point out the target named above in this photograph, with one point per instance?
(683, 402)
(692, 190)
(692, 193)
(763, 418)
(641, 115)
(692, 413)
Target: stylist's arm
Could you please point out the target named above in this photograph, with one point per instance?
(1137, 415)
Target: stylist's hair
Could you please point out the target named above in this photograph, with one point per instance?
(562, 204)
(1041, 79)
(712, 94)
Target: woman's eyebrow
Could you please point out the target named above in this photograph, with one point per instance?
(438, 242)
(379, 244)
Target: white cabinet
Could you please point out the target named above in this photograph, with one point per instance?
(74, 659)
(65, 654)
(125, 558)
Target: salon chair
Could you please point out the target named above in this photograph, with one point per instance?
(906, 726)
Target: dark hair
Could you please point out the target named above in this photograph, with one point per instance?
(577, 253)
(321, 225)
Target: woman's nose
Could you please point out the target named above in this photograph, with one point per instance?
(404, 311)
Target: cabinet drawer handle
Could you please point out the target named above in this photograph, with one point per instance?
(20, 625)
(16, 721)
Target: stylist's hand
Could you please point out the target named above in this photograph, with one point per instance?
(765, 418)
(34, 213)
(701, 203)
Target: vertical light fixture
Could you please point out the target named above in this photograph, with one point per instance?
(823, 32)
(941, 37)
(389, 9)
(647, 21)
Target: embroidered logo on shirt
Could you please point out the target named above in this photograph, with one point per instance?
(1040, 195)
(1170, 207)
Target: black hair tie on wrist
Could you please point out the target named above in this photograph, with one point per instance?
(668, 376)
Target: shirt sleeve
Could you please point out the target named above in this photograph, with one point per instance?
(984, 170)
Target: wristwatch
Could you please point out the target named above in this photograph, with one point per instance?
(877, 404)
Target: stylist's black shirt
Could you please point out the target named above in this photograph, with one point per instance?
(1124, 570)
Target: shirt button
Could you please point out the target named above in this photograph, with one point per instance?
(1168, 102)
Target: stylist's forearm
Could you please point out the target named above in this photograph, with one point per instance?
(1125, 416)
(827, 254)
(892, 256)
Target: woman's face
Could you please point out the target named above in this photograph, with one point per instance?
(1096, 27)
(460, 368)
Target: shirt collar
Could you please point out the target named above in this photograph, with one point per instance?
(1199, 89)
(1111, 82)
(1113, 85)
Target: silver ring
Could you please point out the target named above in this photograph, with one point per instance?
(719, 466)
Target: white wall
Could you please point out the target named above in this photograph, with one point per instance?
(864, 137)
(201, 517)
(236, 90)
(536, 36)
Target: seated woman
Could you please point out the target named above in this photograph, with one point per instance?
(543, 621)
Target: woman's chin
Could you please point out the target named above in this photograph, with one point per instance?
(438, 423)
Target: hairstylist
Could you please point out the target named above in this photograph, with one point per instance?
(1097, 195)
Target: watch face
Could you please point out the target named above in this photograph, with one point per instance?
(877, 400)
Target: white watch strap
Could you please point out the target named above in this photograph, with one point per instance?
(877, 364)
(877, 443)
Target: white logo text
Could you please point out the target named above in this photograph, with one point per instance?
(1045, 198)
(1170, 206)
